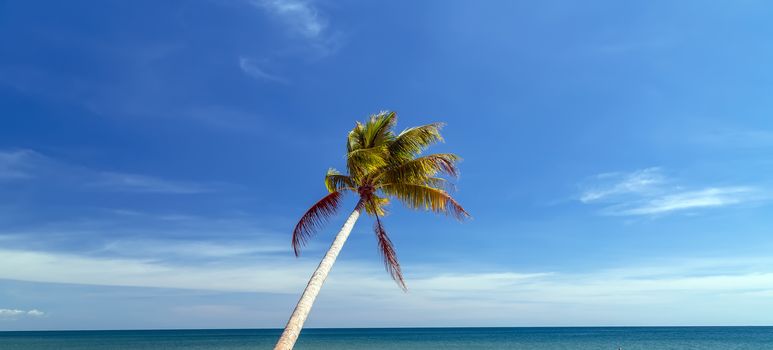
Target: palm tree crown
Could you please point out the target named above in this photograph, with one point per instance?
(383, 165)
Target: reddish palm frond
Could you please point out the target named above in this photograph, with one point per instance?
(387, 250)
(314, 218)
(456, 209)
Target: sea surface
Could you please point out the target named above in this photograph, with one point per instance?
(597, 338)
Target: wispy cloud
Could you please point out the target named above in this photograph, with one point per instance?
(251, 68)
(165, 236)
(17, 164)
(16, 313)
(40, 266)
(29, 165)
(286, 276)
(303, 21)
(614, 184)
(309, 38)
(650, 192)
(624, 295)
(142, 183)
(301, 16)
(191, 249)
(705, 198)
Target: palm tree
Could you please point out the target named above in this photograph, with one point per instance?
(380, 165)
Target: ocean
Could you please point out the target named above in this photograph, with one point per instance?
(547, 338)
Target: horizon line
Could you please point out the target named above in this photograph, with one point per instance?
(399, 327)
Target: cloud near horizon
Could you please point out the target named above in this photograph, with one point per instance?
(650, 192)
(499, 297)
(662, 285)
(16, 313)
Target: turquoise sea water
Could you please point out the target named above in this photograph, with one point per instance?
(597, 338)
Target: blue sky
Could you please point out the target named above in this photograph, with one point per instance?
(154, 157)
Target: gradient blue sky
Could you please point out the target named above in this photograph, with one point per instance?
(154, 157)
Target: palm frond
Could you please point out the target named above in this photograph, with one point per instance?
(378, 130)
(387, 250)
(413, 141)
(355, 139)
(419, 169)
(417, 196)
(335, 181)
(376, 206)
(365, 160)
(314, 218)
(439, 183)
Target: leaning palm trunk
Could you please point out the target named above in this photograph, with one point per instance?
(302, 309)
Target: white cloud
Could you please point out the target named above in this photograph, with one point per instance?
(16, 313)
(17, 164)
(471, 282)
(28, 165)
(137, 235)
(303, 20)
(705, 198)
(650, 192)
(35, 266)
(191, 249)
(288, 275)
(623, 294)
(300, 15)
(11, 312)
(251, 68)
(638, 182)
(142, 183)
(35, 312)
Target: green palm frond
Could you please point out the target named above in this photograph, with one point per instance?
(418, 170)
(335, 181)
(413, 141)
(376, 206)
(378, 130)
(439, 183)
(366, 160)
(425, 197)
(355, 140)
